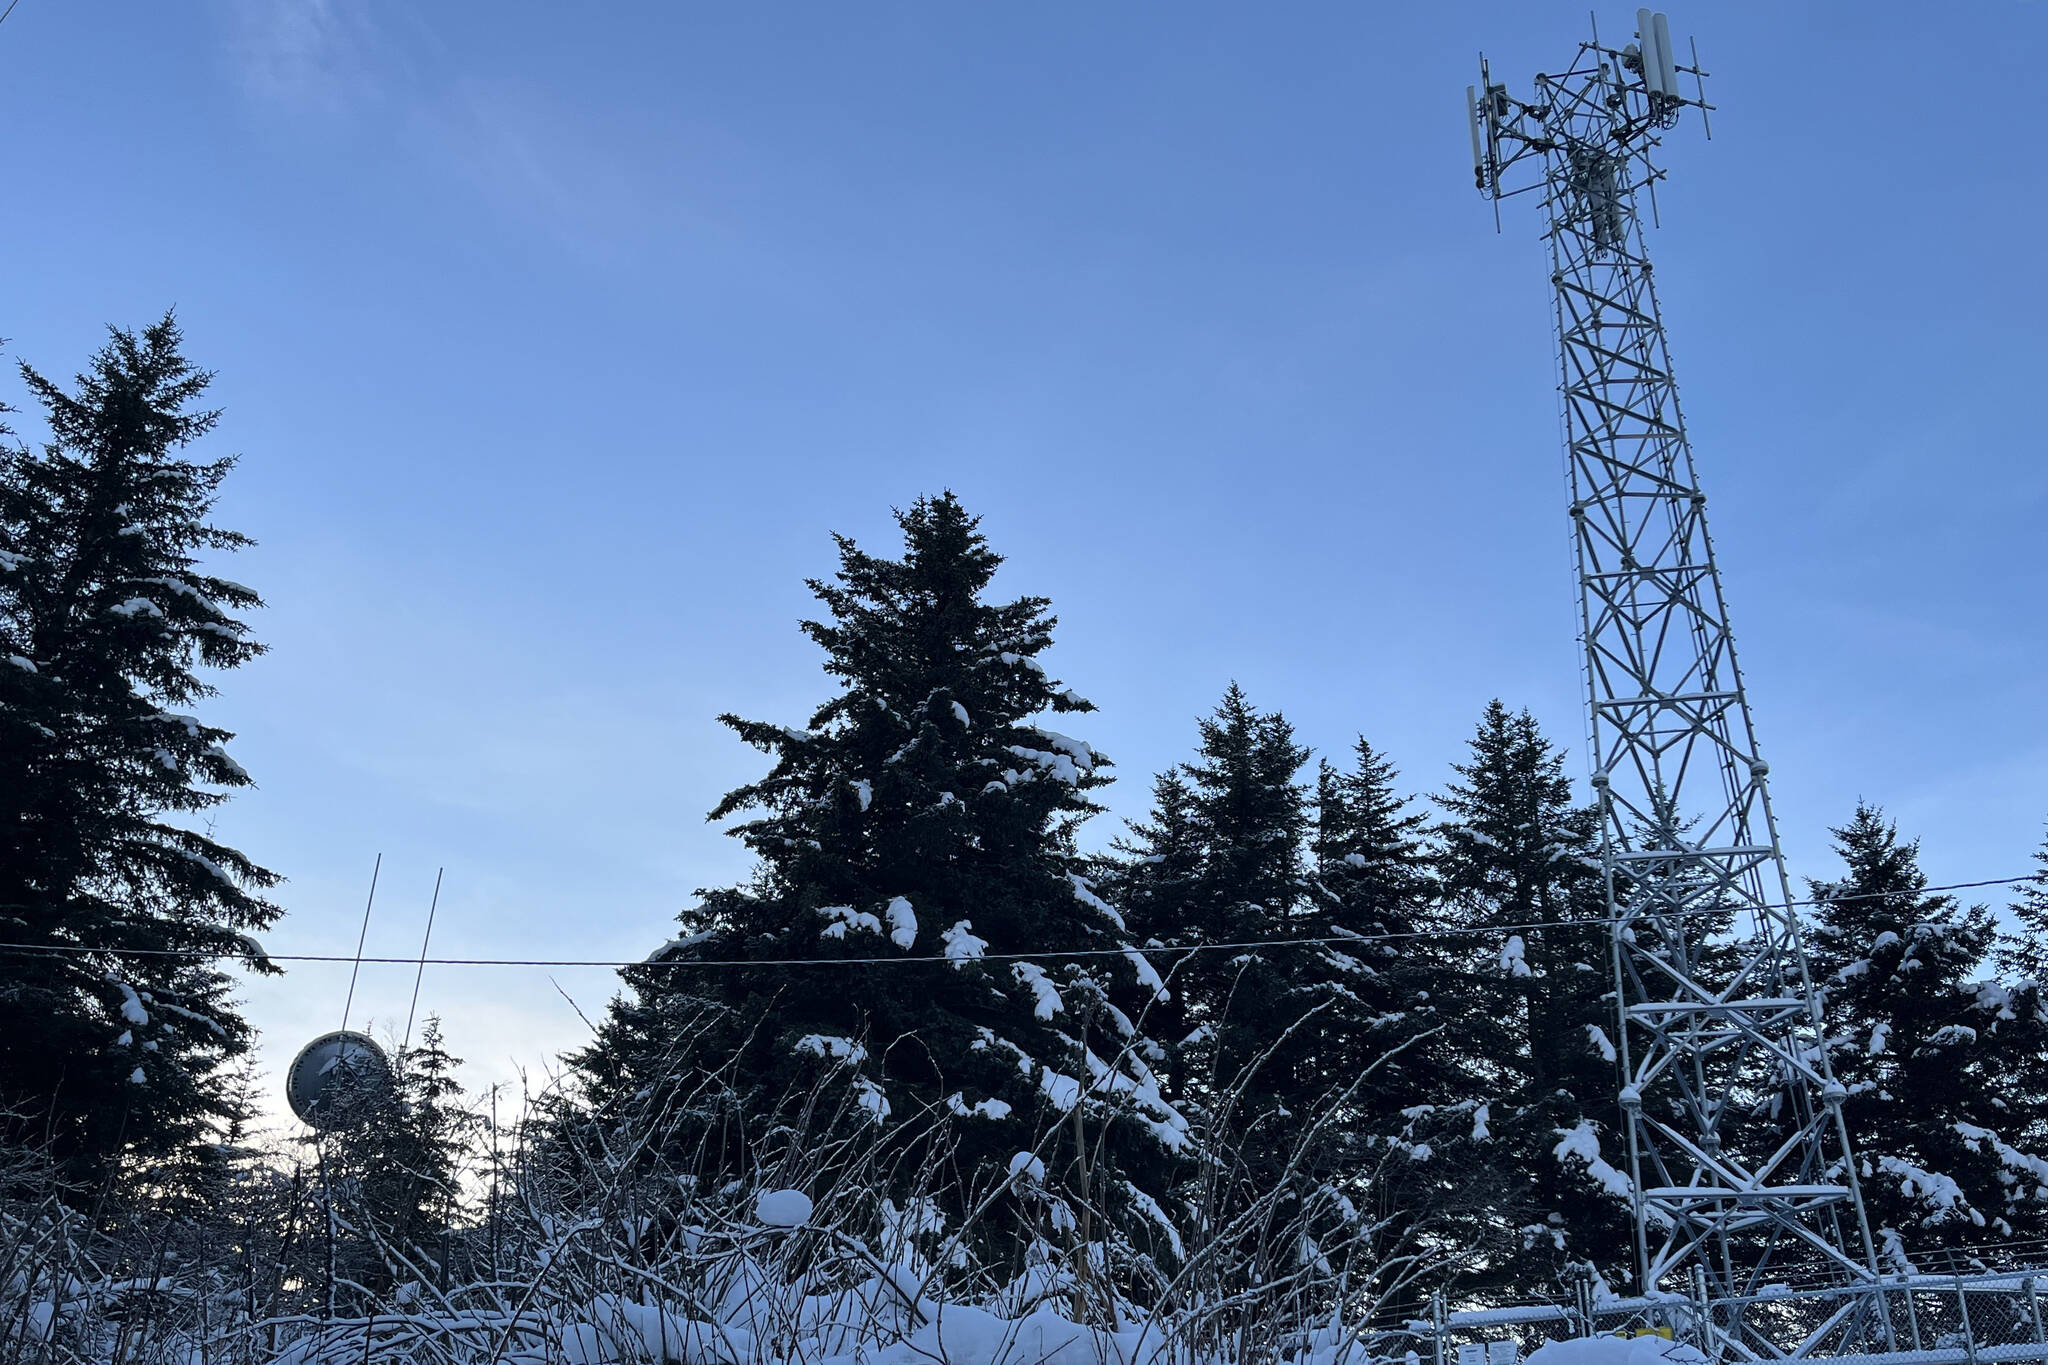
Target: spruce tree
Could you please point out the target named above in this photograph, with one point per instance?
(1216, 875)
(116, 1018)
(394, 1172)
(1916, 1036)
(2025, 953)
(1321, 1066)
(926, 813)
(1221, 862)
(1394, 983)
(1153, 871)
(1373, 884)
(1537, 1008)
(2020, 1000)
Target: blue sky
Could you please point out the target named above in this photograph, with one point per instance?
(556, 339)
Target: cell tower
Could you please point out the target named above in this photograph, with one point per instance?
(1736, 1145)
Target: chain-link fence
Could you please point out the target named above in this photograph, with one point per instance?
(1979, 1319)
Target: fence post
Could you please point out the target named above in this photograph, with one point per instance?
(1436, 1327)
(1884, 1318)
(2034, 1310)
(1582, 1298)
(1969, 1333)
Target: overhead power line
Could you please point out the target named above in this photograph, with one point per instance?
(1238, 946)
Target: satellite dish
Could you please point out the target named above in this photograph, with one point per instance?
(338, 1080)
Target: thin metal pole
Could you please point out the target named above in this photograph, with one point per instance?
(327, 1208)
(1703, 1320)
(427, 938)
(361, 938)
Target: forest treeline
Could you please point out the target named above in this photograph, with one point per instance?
(1298, 1034)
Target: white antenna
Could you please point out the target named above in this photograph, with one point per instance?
(1472, 118)
(1653, 64)
(1660, 64)
(1667, 65)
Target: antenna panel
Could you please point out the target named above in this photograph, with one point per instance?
(1653, 66)
(1667, 64)
(1472, 118)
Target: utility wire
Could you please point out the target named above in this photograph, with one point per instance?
(1355, 939)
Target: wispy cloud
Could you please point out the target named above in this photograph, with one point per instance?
(598, 188)
(317, 55)
(539, 160)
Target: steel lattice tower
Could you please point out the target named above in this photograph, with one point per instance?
(1736, 1144)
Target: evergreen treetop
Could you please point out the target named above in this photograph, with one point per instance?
(1370, 850)
(2026, 953)
(1221, 862)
